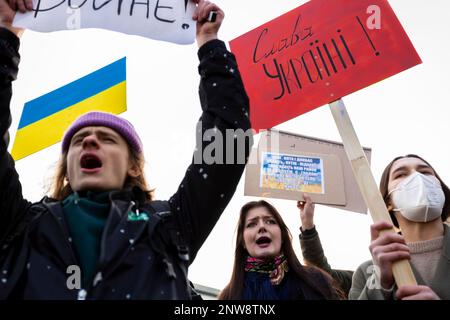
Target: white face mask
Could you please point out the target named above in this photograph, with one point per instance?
(419, 198)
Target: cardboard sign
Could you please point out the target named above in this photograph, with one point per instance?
(286, 164)
(166, 20)
(318, 53)
(45, 119)
(284, 174)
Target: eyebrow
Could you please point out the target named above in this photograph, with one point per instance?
(99, 132)
(81, 134)
(256, 218)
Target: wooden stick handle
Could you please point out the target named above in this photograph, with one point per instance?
(402, 271)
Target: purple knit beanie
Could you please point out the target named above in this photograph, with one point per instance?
(103, 119)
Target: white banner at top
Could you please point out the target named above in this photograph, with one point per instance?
(165, 20)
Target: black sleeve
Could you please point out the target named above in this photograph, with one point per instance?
(208, 185)
(12, 204)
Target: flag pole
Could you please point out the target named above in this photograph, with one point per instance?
(402, 271)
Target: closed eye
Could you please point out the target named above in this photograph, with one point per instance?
(427, 172)
(251, 224)
(107, 139)
(77, 141)
(399, 175)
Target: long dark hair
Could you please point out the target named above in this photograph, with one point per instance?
(384, 183)
(234, 289)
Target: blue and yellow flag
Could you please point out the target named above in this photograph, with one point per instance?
(45, 119)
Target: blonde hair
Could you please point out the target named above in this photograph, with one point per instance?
(60, 187)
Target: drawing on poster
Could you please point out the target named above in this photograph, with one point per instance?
(292, 173)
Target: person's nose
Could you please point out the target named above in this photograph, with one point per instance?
(261, 226)
(90, 142)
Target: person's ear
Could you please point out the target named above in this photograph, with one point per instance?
(390, 206)
(388, 202)
(134, 171)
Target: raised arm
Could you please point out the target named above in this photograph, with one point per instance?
(12, 204)
(312, 249)
(220, 156)
(309, 238)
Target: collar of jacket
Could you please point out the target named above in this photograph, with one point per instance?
(112, 248)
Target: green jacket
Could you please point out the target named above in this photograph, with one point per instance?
(313, 254)
(365, 283)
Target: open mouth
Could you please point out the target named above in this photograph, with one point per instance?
(263, 241)
(90, 162)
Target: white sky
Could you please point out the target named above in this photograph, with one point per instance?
(408, 113)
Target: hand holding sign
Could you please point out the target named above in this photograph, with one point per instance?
(7, 16)
(166, 20)
(416, 293)
(387, 248)
(21, 5)
(306, 207)
(207, 29)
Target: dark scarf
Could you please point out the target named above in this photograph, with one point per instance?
(86, 214)
(275, 267)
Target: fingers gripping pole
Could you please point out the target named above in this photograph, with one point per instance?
(402, 269)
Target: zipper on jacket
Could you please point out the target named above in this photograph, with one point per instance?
(82, 293)
(100, 274)
(105, 232)
(101, 261)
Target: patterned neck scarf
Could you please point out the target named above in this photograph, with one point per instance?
(275, 267)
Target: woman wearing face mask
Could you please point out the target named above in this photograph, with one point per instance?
(265, 265)
(418, 202)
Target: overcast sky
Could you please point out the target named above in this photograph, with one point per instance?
(408, 113)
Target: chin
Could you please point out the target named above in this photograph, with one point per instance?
(91, 187)
(265, 255)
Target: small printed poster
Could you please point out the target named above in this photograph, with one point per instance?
(292, 173)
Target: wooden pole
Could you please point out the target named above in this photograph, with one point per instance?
(402, 271)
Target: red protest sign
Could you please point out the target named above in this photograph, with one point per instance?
(318, 53)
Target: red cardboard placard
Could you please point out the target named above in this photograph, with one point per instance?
(318, 53)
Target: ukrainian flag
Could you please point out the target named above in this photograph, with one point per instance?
(45, 119)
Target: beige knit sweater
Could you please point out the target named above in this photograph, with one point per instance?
(425, 256)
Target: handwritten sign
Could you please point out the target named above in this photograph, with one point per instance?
(166, 20)
(292, 172)
(318, 53)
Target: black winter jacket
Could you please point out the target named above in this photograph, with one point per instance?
(138, 259)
